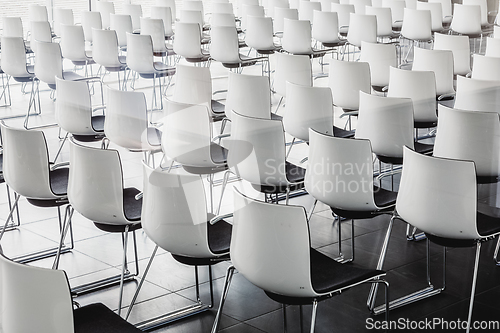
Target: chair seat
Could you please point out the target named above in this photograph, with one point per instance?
(294, 174)
(334, 44)
(97, 318)
(383, 198)
(244, 61)
(275, 116)
(131, 209)
(421, 148)
(161, 70)
(59, 181)
(98, 123)
(154, 136)
(204, 56)
(217, 107)
(342, 133)
(218, 155)
(424, 124)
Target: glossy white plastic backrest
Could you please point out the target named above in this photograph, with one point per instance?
(193, 85)
(496, 31)
(12, 27)
(259, 34)
(272, 4)
(62, 16)
(249, 95)
(270, 246)
(306, 9)
(293, 68)
(135, 12)
(297, 36)
(224, 20)
(222, 7)
(492, 47)
(257, 150)
(187, 42)
(105, 8)
(411, 4)
(105, 48)
(37, 13)
(13, 60)
(126, 120)
(192, 16)
(280, 14)
(171, 4)
(340, 172)
(193, 5)
(485, 68)
(26, 162)
(95, 187)
(460, 47)
(420, 86)
(155, 29)
(436, 13)
(481, 144)
(446, 6)
(466, 19)
(224, 46)
(347, 79)
(308, 107)
(164, 13)
(40, 31)
(121, 24)
(438, 61)
(73, 42)
(325, 26)
(417, 24)
(384, 19)
(174, 213)
(452, 181)
(477, 95)
(362, 28)
(38, 293)
(483, 5)
(344, 14)
(90, 20)
(360, 5)
(397, 10)
(380, 57)
(251, 10)
(140, 53)
(326, 5)
(48, 62)
(73, 107)
(387, 122)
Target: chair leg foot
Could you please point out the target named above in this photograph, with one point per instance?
(227, 282)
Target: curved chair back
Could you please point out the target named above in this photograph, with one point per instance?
(276, 4)
(387, 122)
(187, 42)
(280, 13)
(106, 9)
(95, 187)
(40, 31)
(171, 5)
(193, 85)
(250, 10)
(222, 8)
(37, 13)
(164, 13)
(90, 21)
(477, 95)
(297, 36)
(264, 236)
(436, 10)
(306, 9)
(384, 20)
(362, 28)
(13, 60)
(460, 47)
(438, 61)
(12, 27)
(135, 12)
(452, 181)
(492, 47)
(224, 20)
(174, 212)
(380, 57)
(249, 95)
(397, 10)
(485, 68)
(344, 15)
(121, 24)
(346, 92)
(481, 144)
(417, 24)
(340, 172)
(292, 68)
(105, 48)
(483, 5)
(26, 162)
(224, 45)
(192, 16)
(259, 34)
(420, 86)
(308, 107)
(48, 63)
(155, 29)
(194, 5)
(325, 26)
(73, 43)
(466, 19)
(40, 293)
(62, 16)
(446, 6)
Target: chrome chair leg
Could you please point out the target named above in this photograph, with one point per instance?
(495, 255)
(227, 283)
(474, 282)
(124, 267)
(313, 318)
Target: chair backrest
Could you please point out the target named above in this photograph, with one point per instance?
(73, 42)
(222, 8)
(344, 14)
(380, 57)
(105, 48)
(105, 8)
(73, 107)
(264, 236)
(362, 28)
(481, 144)
(174, 213)
(194, 5)
(387, 122)
(438, 61)
(308, 107)
(292, 68)
(95, 186)
(360, 5)
(384, 19)
(306, 9)
(257, 150)
(40, 31)
(187, 134)
(13, 60)
(135, 12)
(417, 24)
(397, 10)
(193, 85)
(483, 5)
(466, 19)
(48, 62)
(26, 162)
(259, 34)
(325, 26)
(297, 36)
(452, 181)
(171, 4)
(477, 95)
(420, 86)
(280, 13)
(192, 16)
(12, 27)
(251, 10)
(272, 4)
(224, 20)
(187, 42)
(122, 24)
(340, 172)
(155, 29)
(492, 47)
(126, 120)
(446, 6)
(436, 10)
(224, 45)
(90, 21)
(460, 47)
(37, 13)
(249, 95)
(164, 13)
(41, 294)
(62, 16)
(496, 31)
(485, 68)
(346, 91)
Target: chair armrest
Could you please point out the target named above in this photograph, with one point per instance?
(220, 217)
(441, 97)
(90, 79)
(58, 165)
(221, 136)
(349, 113)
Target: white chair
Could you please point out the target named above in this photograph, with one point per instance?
(37, 13)
(188, 43)
(73, 46)
(446, 6)
(155, 29)
(485, 68)
(222, 8)
(467, 21)
(384, 21)
(105, 54)
(121, 24)
(380, 57)
(492, 47)
(280, 13)
(193, 16)
(135, 12)
(344, 15)
(460, 47)
(164, 13)
(40, 31)
(436, 10)
(105, 8)
(360, 5)
(441, 63)
(90, 21)
(325, 29)
(477, 95)
(417, 27)
(397, 11)
(260, 36)
(171, 4)
(307, 8)
(362, 28)
(62, 16)
(250, 10)
(297, 39)
(483, 5)
(12, 26)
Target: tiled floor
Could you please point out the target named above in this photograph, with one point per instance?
(170, 285)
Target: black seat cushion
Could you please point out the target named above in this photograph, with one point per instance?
(132, 207)
(1, 169)
(383, 198)
(219, 236)
(294, 173)
(97, 318)
(342, 133)
(59, 181)
(218, 107)
(423, 148)
(98, 123)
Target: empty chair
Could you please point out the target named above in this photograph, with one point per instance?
(307, 8)
(362, 28)
(397, 11)
(37, 13)
(380, 57)
(192, 16)
(259, 35)
(171, 4)
(90, 21)
(360, 5)
(483, 5)
(441, 63)
(417, 26)
(121, 24)
(325, 29)
(297, 39)
(280, 13)
(481, 144)
(485, 68)
(477, 95)
(164, 13)
(135, 12)
(106, 9)
(466, 20)
(222, 7)
(40, 31)
(344, 15)
(492, 47)
(62, 16)
(447, 8)
(73, 46)
(436, 10)
(188, 43)
(155, 29)
(12, 27)
(105, 54)
(250, 10)
(384, 21)
(460, 47)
